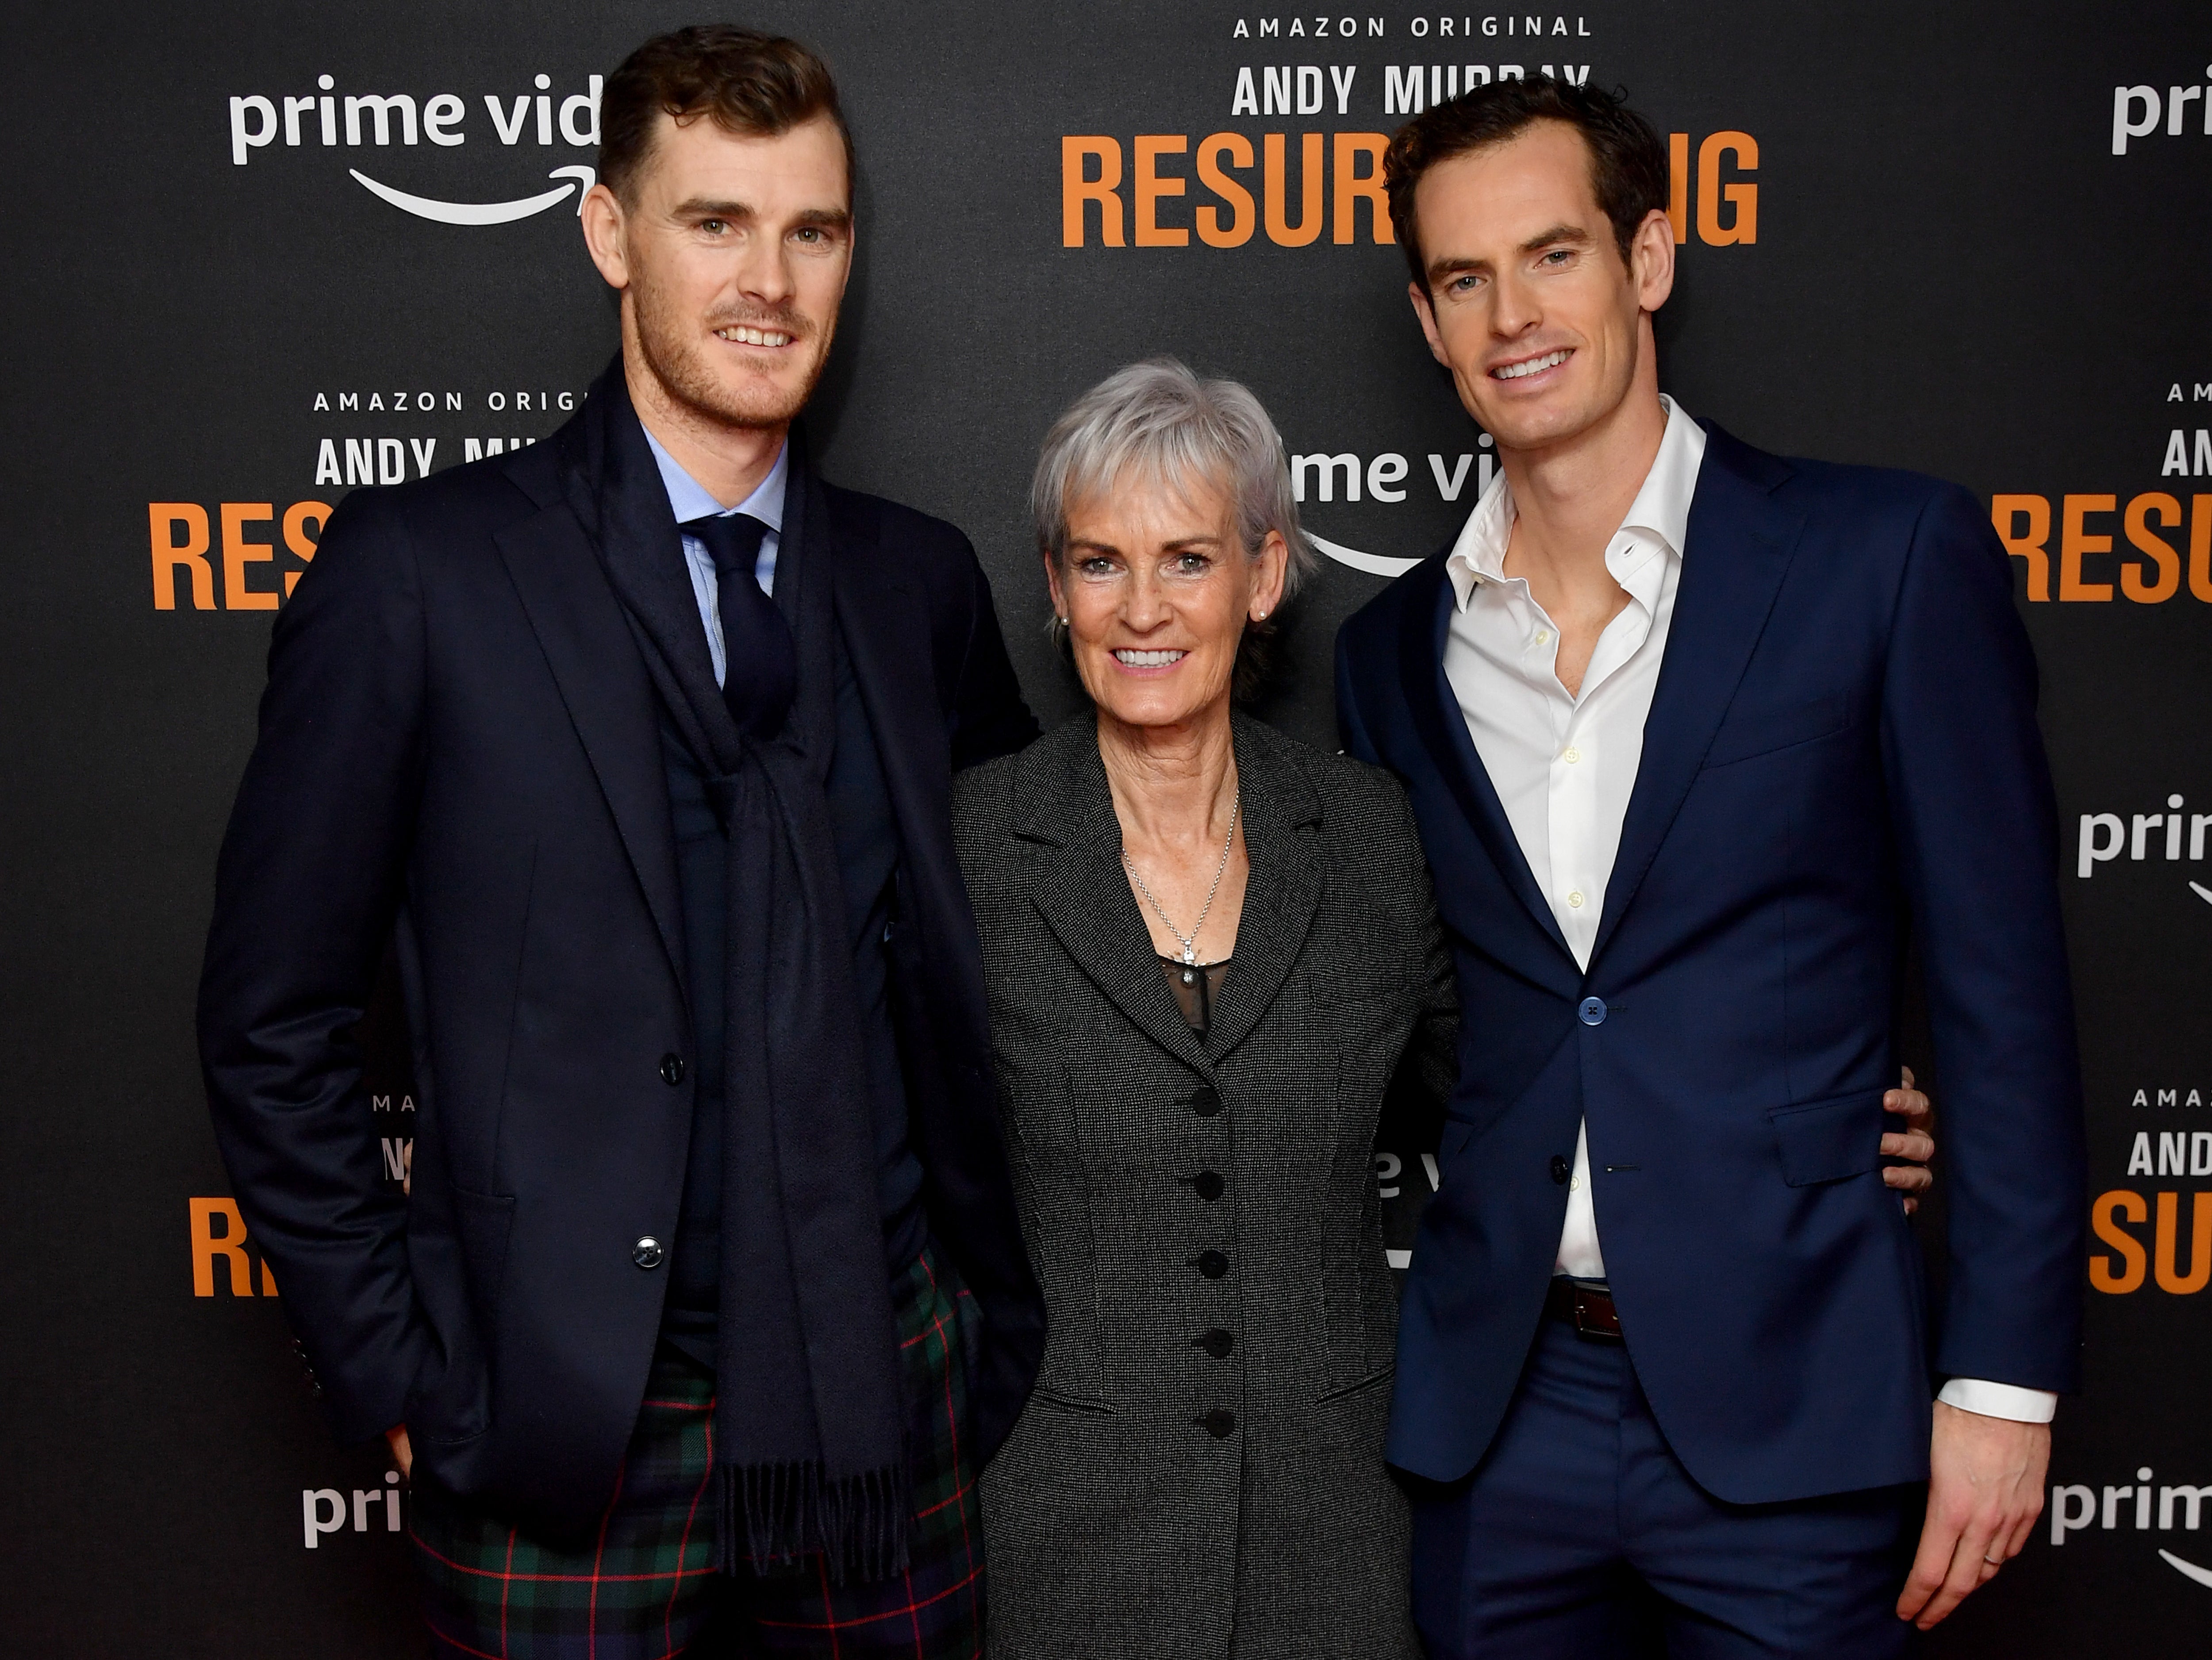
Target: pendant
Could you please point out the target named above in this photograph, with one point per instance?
(1188, 977)
(1189, 956)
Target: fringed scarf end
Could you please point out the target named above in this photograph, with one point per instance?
(772, 1514)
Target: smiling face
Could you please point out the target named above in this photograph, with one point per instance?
(1157, 588)
(731, 257)
(1529, 302)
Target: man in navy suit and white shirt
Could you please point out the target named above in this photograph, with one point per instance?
(1695, 735)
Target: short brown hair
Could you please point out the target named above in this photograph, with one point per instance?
(761, 85)
(1628, 162)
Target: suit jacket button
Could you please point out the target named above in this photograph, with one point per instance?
(1208, 1185)
(647, 1253)
(672, 1070)
(1592, 1011)
(1217, 1342)
(1221, 1423)
(1206, 1101)
(1559, 1170)
(1213, 1264)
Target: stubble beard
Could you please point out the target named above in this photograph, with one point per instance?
(678, 361)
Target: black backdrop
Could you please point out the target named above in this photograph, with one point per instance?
(1970, 240)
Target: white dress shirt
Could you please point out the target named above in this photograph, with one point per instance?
(1563, 765)
(691, 500)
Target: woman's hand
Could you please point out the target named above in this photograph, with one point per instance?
(1916, 1142)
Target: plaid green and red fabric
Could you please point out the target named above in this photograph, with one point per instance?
(645, 1588)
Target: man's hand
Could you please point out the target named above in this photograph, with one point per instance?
(402, 1454)
(1984, 1492)
(1917, 1142)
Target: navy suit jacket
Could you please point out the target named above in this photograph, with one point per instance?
(1842, 746)
(460, 742)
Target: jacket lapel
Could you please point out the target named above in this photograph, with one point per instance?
(1437, 717)
(1083, 896)
(610, 698)
(1738, 548)
(885, 625)
(1281, 814)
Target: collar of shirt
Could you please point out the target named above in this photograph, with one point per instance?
(1661, 511)
(691, 500)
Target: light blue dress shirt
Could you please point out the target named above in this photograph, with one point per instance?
(691, 500)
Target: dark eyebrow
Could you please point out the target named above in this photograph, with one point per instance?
(1574, 235)
(1562, 233)
(700, 207)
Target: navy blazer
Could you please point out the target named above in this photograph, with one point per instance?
(1842, 746)
(460, 739)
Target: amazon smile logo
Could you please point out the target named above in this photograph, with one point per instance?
(1389, 477)
(2142, 1506)
(2171, 836)
(330, 118)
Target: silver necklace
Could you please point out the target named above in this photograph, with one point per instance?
(1190, 940)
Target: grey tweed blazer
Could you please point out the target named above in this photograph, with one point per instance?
(1168, 1493)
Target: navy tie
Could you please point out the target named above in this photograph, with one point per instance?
(759, 675)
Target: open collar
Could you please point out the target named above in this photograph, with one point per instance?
(1661, 510)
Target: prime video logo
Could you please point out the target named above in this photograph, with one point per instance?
(2106, 835)
(329, 119)
(2074, 1507)
(2136, 112)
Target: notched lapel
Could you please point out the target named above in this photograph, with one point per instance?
(1083, 893)
(610, 698)
(1283, 892)
(1740, 544)
(885, 626)
(1437, 714)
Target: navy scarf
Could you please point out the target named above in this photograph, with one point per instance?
(809, 1439)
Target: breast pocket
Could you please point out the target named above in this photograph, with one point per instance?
(1751, 733)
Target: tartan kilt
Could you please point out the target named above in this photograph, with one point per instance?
(646, 1587)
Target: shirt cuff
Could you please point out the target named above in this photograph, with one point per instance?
(2000, 1400)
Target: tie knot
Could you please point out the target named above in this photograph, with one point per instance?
(733, 540)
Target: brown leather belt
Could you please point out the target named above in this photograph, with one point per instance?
(1589, 1310)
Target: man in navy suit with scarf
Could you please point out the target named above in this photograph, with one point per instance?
(1696, 737)
(709, 1300)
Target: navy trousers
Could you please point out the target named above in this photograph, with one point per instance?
(1581, 1535)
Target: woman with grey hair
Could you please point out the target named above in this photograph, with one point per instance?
(1208, 950)
(1210, 953)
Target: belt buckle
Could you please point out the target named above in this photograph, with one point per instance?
(1585, 1317)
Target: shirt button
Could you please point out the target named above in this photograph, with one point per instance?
(1576, 899)
(1213, 1264)
(1543, 636)
(672, 1070)
(647, 1253)
(1571, 757)
(1574, 1185)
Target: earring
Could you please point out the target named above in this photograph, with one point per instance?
(1259, 616)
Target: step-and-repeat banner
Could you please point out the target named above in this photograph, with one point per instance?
(261, 254)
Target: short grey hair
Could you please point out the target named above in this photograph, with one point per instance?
(1160, 421)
